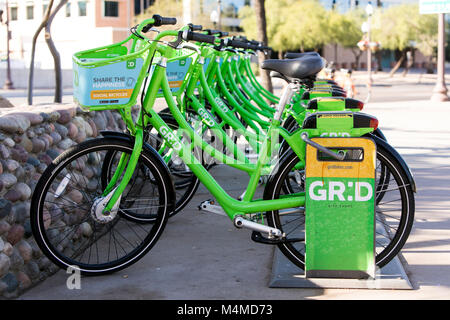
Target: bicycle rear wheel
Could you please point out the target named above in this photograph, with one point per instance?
(394, 213)
(66, 225)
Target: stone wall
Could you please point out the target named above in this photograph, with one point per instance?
(29, 139)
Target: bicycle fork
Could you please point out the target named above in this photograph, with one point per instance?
(108, 204)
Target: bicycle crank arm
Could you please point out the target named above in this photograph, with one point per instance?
(209, 206)
(241, 222)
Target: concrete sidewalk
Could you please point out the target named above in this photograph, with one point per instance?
(202, 256)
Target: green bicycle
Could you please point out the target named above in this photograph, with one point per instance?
(95, 219)
(216, 112)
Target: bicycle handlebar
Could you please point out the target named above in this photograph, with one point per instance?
(195, 27)
(260, 45)
(244, 43)
(199, 37)
(240, 44)
(217, 33)
(257, 43)
(157, 22)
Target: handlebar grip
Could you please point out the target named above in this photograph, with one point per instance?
(236, 44)
(199, 37)
(217, 33)
(146, 28)
(258, 43)
(195, 27)
(159, 21)
(264, 48)
(212, 32)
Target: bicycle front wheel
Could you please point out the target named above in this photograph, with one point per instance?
(70, 231)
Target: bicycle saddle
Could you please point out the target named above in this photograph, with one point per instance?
(293, 55)
(298, 68)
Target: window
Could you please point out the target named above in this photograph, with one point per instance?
(111, 8)
(30, 12)
(13, 12)
(82, 8)
(68, 9)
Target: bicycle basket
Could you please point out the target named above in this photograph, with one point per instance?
(178, 70)
(109, 77)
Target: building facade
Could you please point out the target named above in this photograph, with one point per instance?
(79, 25)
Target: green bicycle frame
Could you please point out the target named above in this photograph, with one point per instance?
(246, 63)
(218, 107)
(231, 206)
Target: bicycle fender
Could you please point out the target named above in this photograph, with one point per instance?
(379, 134)
(380, 142)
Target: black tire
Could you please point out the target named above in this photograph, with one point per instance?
(393, 225)
(382, 175)
(69, 233)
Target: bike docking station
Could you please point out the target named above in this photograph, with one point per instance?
(340, 222)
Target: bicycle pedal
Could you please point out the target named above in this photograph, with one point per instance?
(258, 237)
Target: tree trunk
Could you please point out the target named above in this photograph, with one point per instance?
(357, 53)
(335, 53)
(262, 36)
(280, 54)
(54, 52)
(33, 50)
(429, 65)
(409, 62)
(379, 57)
(398, 64)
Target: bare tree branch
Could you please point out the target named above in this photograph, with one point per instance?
(33, 50)
(262, 36)
(54, 52)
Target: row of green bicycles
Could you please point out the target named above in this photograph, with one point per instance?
(103, 204)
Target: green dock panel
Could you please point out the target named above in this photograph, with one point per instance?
(340, 210)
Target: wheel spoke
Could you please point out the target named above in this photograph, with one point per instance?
(72, 231)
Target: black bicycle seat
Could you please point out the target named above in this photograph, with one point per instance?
(298, 68)
(294, 55)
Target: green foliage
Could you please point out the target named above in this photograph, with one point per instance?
(305, 24)
(248, 21)
(399, 27)
(350, 31)
(427, 38)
